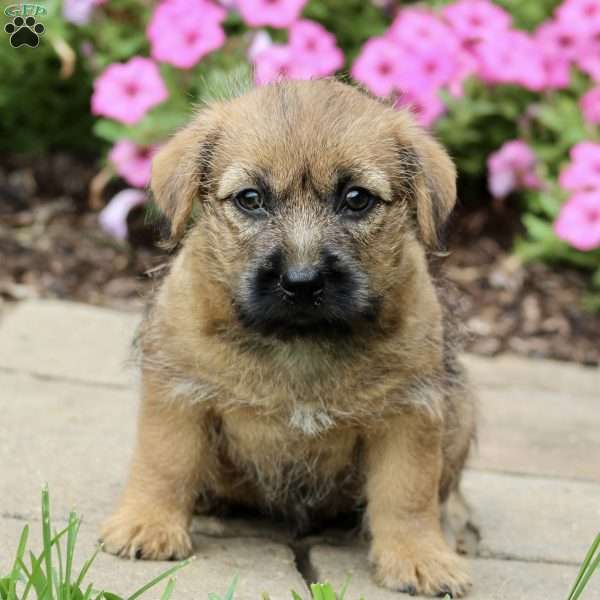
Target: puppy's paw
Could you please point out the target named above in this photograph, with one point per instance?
(132, 535)
(428, 569)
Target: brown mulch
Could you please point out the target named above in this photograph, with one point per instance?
(51, 246)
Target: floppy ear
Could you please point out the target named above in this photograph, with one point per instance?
(180, 171)
(434, 180)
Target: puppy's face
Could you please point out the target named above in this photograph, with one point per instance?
(313, 204)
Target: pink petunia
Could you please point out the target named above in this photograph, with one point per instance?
(588, 59)
(426, 70)
(416, 28)
(427, 107)
(583, 173)
(315, 47)
(378, 66)
(581, 14)
(113, 217)
(79, 12)
(276, 13)
(261, 40)
(181, 32)
(590, 105)
(132, 162)
(278, 62)
(474, 20)
(511, 57)
(579, 221)
(126, 91)
(512, 167)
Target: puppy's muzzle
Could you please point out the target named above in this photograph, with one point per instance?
(302, 285)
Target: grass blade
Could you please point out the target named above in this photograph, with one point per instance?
(160, 577)
(14, 575)
(72, 533)
(231, 590)
(344, 587)
(577, 589)
(166, 595)
(86, 567)
(47, 541)
(593, 566)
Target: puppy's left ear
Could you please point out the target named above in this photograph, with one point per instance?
(181, 169)
(434, 181)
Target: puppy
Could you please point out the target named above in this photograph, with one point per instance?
(295, 357)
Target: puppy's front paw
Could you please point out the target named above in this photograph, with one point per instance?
(133, 535)
(428, 568)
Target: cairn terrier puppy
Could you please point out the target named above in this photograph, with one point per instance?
(295, 359)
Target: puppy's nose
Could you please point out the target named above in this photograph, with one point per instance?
(302, 284)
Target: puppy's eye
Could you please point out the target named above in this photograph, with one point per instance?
(357, 200)
(250, 201)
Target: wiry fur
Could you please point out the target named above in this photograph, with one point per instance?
(364, 405)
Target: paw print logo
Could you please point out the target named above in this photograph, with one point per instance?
(24, 32)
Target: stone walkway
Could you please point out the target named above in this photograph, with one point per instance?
(68, 405)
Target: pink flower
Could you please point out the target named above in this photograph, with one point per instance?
(590, 105)
(113, 217)
(579, 221)
(278, 62)
(427, 107)
(79, 12)
(126, 91)
(276, 13)
(582, 14)
(559, 45)
(261, 40)
(181, 32)
(588, 59)
(425, 70)
(511, 57)
(583, 174)
(315, 47)
(378, 66)
(132, 162)
(473, 20)
(511, 167)
(419, 28)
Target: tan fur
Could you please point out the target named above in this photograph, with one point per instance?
(305, 425)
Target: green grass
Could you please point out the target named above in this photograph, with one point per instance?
(50, 575)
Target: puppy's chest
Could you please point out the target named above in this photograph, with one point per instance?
(284, 464)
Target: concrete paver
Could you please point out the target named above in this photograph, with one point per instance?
(528, 430)
(260, 564)
(492, 579)
(68, 340)
(533, 518)
(75, 438)
(509, 370)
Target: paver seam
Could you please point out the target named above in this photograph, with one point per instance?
(72, 380)
(538, 476)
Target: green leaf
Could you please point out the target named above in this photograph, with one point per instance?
(231, 590)
(589, 565)
(110, 131)
(160, 577)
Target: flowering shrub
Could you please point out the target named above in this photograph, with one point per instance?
(511, 88)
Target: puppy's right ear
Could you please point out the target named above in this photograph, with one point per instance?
(181, 169)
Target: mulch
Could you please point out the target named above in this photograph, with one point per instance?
(52, 247)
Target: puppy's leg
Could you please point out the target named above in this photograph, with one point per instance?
(404, 464)
(170, 462)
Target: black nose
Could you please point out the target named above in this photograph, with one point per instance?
(303, 284)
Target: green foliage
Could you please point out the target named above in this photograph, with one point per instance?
(51, 575)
